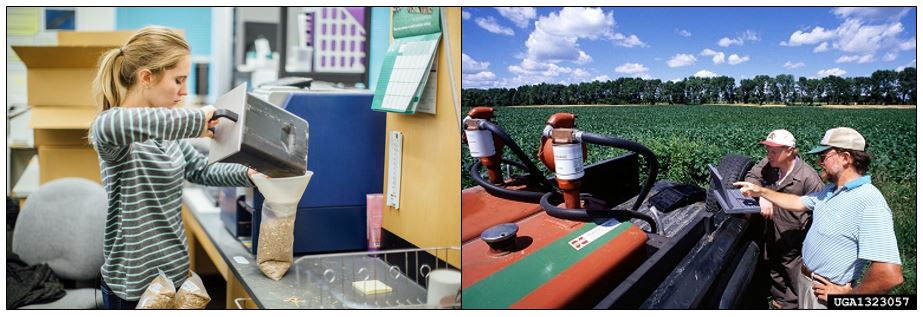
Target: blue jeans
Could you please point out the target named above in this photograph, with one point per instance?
(112, 301)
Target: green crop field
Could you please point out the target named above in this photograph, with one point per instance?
(687, 138)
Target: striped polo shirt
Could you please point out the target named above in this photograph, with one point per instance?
(143, 162)
(852, 225)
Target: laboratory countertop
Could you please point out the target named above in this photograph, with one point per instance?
(327, 280)
(266, 293)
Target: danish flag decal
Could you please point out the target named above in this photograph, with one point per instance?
(590, 236)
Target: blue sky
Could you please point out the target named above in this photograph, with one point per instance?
(510, 47)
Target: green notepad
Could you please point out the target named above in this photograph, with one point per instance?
(409, 61)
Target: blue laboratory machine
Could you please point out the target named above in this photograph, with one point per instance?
(346, 146)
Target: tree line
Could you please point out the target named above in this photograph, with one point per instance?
(883, 87)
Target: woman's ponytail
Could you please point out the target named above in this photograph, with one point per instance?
(109, 87)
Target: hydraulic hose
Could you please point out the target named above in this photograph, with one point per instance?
(499, 191)
(534, 174)
(551, 207)
(652, 166)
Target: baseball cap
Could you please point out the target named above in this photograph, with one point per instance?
(779, 137)
(844, 138)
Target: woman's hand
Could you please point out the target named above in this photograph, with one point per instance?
(209, 123)
(251, 172)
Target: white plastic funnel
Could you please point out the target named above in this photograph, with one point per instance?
(284, 190)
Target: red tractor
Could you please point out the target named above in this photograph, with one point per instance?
(593, 236)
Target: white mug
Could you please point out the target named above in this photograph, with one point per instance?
(441, 284)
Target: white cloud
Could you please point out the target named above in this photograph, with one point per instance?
(483, 79)
(890, 56)
(867, 13)
(529, 68)
(512, 82)
(518, 15)
(683, 33)
(912, 63)
(680, 60)
(482, 76)
(543, 46)
(627, 41)
(556, 35)
(583, 58)
(817, 35)
(717, 57)
(556, 39)
(854, 37)
(748, 35)
(862, 32)
(791, 65)
(580, 72)
(631, 68)
(847, 59)
(590, 23)
(726, 41)
(466, 15)
(676, 80)
(833, 71)
(860, 59)
(579, 75)
(553, 42)
(471, 66)
(490, 24)
(823, 47)
(704, 74)
(734, 59)
(530, 72)
(908, 45)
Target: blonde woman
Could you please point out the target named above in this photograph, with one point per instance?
(143, 161)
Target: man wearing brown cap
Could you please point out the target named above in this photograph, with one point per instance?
(852, 225)
(783, 170)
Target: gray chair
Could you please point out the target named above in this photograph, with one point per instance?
(62, 225)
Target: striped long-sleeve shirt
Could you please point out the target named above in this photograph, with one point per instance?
(143, 162)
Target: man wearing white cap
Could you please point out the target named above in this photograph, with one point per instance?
(783, 170)
(852, 225)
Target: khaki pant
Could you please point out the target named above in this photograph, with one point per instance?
(784, 236)
(806, 297)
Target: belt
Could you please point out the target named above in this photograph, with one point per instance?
(806, 272)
